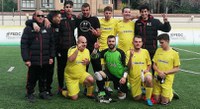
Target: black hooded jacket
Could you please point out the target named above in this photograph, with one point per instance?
(149, 32)
(37, 47)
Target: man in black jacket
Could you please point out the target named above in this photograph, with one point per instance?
(89, 27)
(55, 19)
(37, 50)
(64, 41)
(147, 27)
(67, 40)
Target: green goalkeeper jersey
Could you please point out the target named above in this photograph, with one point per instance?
(115, 61)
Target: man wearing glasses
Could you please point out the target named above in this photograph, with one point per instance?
(37, 50)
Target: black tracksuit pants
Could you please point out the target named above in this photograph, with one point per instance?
(49, 76)
(36, 73)
(61, 64)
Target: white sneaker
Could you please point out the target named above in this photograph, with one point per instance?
(121, 95)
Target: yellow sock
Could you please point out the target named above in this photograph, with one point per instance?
(107, 83)
(90, 90)
(148, 92)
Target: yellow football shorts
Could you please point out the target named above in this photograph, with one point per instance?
(164, 89)
(73, 83)
(136, 84)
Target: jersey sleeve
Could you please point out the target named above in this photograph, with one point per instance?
(123, 58)
(71, 51)
(127, 56)
(176, 59)
(155, 57)
(148, 59)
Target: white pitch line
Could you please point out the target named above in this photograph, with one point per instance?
(11, 69)
(187, 51)
(189, 59)
(189, 71)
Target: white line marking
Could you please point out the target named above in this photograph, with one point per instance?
(189, 71)
(11, 69)
(187, 51)
(189, 59)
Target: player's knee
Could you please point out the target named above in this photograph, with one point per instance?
(164, 100)
(90, 79)
(149, 82)
(136, 98)
(75, 97)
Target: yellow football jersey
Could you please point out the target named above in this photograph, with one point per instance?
(166, 60)
(107, 28)
(76, 68)
(140, 61)
(125, 31)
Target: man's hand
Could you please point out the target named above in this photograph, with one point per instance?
(161, 74)
(85, 61)
(36, 27)
(94, 32)
(47, 23)
(122, 80)
(28, 63)
(96, 45)
(79, 46)
(164, 18)
(50, 61)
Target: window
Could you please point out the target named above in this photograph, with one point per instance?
(28, 3)
(62, 1)
(105, 2)
(78, 4)
(47, 3)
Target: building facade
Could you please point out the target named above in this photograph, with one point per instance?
(96, 5)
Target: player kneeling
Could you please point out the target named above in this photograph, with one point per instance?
(139, 64)
(75, 71)
(166, 64)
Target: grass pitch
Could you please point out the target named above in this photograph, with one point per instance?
(12, 86)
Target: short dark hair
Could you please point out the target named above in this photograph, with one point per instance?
(143, 7)
(53, 14)
(125, 8)
(138, 36)
(68, 2)
(85, 5)
(108, 8)
(163, 36)
(111, 36)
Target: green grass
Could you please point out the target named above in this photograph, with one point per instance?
(12, 86)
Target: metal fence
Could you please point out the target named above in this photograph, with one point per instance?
(19, 19)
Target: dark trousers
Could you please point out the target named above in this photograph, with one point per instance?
(61, 64)
(36, 73)
(117, 85)
(96, 63)
(49, 76)
(151, 56)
